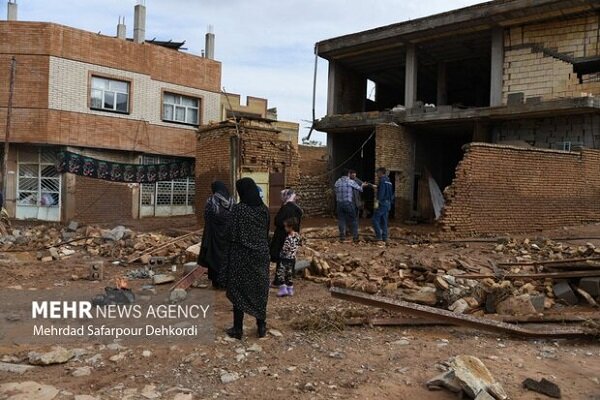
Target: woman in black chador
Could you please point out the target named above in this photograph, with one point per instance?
(214, 238)
(248, 259)
(289, 210)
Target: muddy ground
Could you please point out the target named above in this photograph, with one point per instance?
(324, 362)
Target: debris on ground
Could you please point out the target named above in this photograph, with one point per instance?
(444, 280)
(468, 374)
(543, 386)
(27, 390)
(58, 355)
(54, 242)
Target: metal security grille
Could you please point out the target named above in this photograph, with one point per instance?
(174, 197)
(38, 181)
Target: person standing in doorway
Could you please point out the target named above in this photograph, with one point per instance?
(346, 212)
(247, 265)
(385, 194)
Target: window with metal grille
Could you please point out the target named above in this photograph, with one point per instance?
(38, 181)
(178, 192)
(109, 94)
(178, 108)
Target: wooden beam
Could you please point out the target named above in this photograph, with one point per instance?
(456, 319)
(137, 256)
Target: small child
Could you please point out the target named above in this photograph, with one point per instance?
(285, 271)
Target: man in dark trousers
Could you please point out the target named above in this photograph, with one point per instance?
(385, 195)
(346, 212)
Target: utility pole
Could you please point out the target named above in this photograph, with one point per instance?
(13, 70)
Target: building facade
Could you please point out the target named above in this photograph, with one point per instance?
(110, 98)
(410, 96)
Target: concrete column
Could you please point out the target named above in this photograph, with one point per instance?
(11, 11)
(139, 24)
(497, 67)
(331, 88)
(442, 90)
(410, 82)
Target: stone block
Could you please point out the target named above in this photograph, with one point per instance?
(564, 293)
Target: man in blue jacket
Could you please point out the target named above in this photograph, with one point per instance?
(385, 196)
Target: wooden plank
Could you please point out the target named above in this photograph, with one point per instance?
(189, 278)
(549, 262)
(136, 257)
(521, 319)
(540, 275)
(427, 312)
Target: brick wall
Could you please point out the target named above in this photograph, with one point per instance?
(314, 189)
(536, 73)
(31, 81)
(261, 150)
(68, 90)
(213, 162)
(160, 63)
(96, 201)
(551, 132)
(501, 189)
(87, 130)
(394, 150)
(54, 63)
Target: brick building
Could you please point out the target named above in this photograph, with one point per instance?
(411, 95)
(111, 98)
(253, 148)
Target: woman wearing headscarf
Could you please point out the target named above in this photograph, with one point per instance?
(214, 239)
(288, 210)
(248, 259)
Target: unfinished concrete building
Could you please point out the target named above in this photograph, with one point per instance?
(515, 74)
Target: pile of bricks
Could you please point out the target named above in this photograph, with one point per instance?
(501, 189)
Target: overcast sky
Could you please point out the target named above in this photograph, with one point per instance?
(266, 46)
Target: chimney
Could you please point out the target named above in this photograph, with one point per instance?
(139, 22)
(11, 10)
(121, 29)
(209, 46)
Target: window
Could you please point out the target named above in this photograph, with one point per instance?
(177, 108)
(109, 94)
(38, 180)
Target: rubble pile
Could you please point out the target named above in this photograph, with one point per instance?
(440, 280)
(541, 249)
(55, 242)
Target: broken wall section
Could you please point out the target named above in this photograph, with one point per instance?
(314, 189)
(538, 58)
(395, 151)
(507, 189)
(262, 149)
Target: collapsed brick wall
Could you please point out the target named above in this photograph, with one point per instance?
(394, 150)
(261, 150)
(531, 68)
(315, 193)
(99, 201)
(507, 189)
